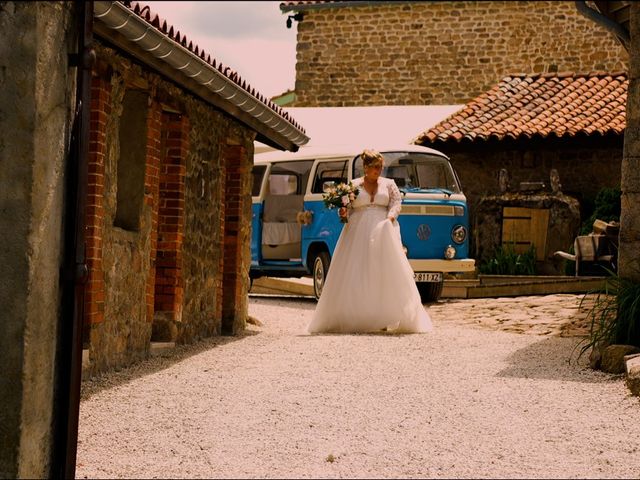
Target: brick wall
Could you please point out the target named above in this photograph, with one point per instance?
(151, 194)
(165, 276)
(440, 53)
(169, 282)
(238, 162)
(94, 291)
(126, 255)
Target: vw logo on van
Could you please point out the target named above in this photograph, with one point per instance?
(423, 231)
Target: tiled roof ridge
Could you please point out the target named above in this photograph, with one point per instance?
(528, 105)
(144, 12)
(593, 73)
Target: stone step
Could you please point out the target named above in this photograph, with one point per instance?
(161, 348)
(483, 286)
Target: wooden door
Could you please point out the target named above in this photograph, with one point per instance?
(523, 227)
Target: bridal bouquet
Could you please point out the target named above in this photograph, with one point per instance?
(341, 195)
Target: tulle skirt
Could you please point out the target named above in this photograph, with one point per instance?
(369, 285)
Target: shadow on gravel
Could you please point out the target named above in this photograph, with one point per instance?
(157, 363)
(554, 359)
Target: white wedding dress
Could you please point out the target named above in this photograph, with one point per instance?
(369, 285)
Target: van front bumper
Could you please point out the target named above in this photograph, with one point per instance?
(452, 266)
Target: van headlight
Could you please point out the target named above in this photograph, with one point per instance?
(459, 234)
(449, 253)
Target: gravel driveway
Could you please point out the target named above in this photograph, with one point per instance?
(462, 401)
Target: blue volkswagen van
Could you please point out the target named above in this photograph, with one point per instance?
(294, 234)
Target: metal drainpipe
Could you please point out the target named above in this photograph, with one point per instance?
(74, 270)
(605, 22)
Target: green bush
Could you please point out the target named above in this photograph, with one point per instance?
(506, 261)
(606, 207)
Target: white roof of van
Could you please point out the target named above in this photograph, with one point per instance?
(339, 151)
(360, 127)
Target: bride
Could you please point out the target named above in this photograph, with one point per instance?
(370, 286)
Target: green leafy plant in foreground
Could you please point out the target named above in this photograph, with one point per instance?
(615, 314)
(506, 261)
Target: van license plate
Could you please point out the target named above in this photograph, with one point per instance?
(427, 277)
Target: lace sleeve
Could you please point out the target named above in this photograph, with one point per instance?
(395, 200)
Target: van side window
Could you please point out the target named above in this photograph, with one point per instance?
(257, 172)
(335, 172)
(283, 184)
(289, 178)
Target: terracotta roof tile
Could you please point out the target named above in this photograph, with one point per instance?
(524, 106)
(144, 12)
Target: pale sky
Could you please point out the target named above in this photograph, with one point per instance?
(250, 37)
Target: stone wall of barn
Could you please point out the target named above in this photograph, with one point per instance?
(584, 167)
(440, 52)
(496, 217)
(157, 240)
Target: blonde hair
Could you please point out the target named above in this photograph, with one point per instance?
(370, 157)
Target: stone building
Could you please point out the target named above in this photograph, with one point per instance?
(533, 127)
(437, 52)
(170, 145)
(168, 214)
(431, 53)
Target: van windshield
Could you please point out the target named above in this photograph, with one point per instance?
(415, 171)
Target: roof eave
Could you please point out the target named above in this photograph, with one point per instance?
(131, 33)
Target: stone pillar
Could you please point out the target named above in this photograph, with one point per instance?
(629, 252)
(36, 98)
